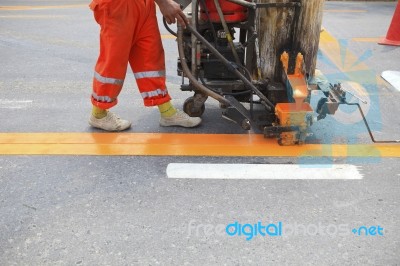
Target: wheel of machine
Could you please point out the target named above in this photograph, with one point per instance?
(223, 106)
(191, 110)
(246, 124)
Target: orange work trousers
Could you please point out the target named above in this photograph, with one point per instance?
(129, 33)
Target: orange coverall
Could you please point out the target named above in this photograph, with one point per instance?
(129, 34)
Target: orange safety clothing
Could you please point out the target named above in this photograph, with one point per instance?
(129, 34)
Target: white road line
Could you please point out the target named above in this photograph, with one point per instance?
(33, 16)
(393, 77)
(14, 104)
(262, 171)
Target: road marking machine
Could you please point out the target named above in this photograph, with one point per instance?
(228, 71)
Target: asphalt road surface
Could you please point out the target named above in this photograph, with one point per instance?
(82, 203)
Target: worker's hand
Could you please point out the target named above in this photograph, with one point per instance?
(172, 12)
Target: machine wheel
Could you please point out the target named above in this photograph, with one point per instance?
(223, 106)
(246, 124)
(191, 110)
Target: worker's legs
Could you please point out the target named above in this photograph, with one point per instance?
(147, 61)
(117, 30)
(115, 42)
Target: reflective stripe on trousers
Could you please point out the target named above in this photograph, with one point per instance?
(104, 99)
(129, 35)
(155, 93)
(108, 80)
(150, 74)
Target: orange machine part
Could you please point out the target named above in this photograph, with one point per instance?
(293, 114)
(233, 13)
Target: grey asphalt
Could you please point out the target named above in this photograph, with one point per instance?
(123, 210)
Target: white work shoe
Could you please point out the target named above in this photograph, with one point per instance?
(180, 119)
(111, 122)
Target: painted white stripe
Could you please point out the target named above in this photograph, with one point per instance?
(15, 104)
(393, 77)
(262, 171)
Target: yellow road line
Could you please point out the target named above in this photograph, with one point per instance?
(17, 8)
(374, 40)
(167, 36)
(163, 144)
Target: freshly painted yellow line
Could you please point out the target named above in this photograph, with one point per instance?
(163, 144)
